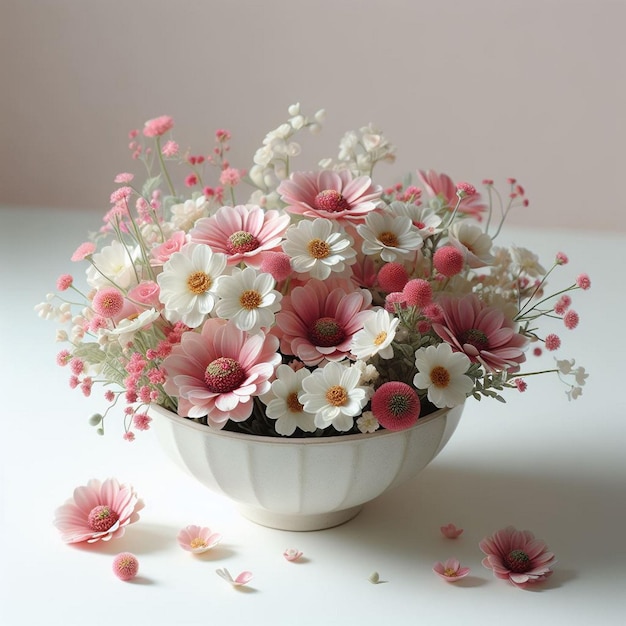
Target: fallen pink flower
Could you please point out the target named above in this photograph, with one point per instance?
(516, 555)
(242, 579)
(450, 531)
(291, 554)
(125, 566)
(451, 570)
(98, 511)
(197, 539)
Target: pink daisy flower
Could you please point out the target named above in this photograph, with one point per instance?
(450, 531)
(482, 332)
(98, 511)
(333, 195)
(516, 555)
(319, 319)
(443, 186)
(242, 233)
(197, 539)
(218, 371)
(451, 570)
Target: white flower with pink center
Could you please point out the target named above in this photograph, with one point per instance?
(334, 395)
(318, 248)
(393, 237)
(329, 194)
(219, 371)
(319, 319)
(242, 233)
(188, 283)
(248, 298)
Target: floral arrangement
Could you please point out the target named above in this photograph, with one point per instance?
(303, 303)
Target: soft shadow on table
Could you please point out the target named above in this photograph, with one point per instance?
(140, 538)
(574, 514)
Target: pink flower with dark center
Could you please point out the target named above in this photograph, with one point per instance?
(98, 511)
(482, 332)
(333, 195)
(443, 186)
(242, 233)
(516, 555)
(218, 371)
(318, 320)
(396, 405)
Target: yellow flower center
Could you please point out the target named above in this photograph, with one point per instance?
(293, 403)
(199, 282)
(198, 542)
(337, 395)
(449, 572)
(380, 338)
(318, 249)
(389, 239)
(440, 376)
(250, 299)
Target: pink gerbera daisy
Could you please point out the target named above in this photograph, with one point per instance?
(218, 371)
(482, 332)
(516, 555)
(443, 186)
(98, 511)
(396, 405)
(319, 319)
(333, 195)
(242, 233)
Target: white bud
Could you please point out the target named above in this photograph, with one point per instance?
(320, 116)
(61, 336)
(293, 149)
(294, 109)
(297, 122)
(325, 163)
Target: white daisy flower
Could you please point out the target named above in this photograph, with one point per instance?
(376, 335)
(318, 248)
(188, 283)
(333, 394)
(125, 330)
(247, 297)
(114, 267)
(442, 373)
(473, 242)
(283, 405)
(424, 218)
(394, 237)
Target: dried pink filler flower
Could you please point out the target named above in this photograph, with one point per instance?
(125, 566)
(98, 511)
(451, 570)
(450, 531)
(197, 539)
(242, 579)
(516, 555)
(291, 554)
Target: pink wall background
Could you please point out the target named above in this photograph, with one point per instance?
(484, 88)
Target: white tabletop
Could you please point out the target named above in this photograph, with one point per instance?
(539, 462)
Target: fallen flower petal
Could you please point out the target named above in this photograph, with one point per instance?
(450, 531)
(197, 539)
(291, 554)
(241, 579)
(451, 570)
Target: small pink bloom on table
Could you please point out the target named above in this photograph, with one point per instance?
(125, 566)
(516, 556)
(291, 554)
(198, 539)
(98, 511)
(450, 570)
(450, 531)
(240, 580)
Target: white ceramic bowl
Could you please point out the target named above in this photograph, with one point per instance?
(302, 484)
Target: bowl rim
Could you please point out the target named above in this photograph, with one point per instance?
(334, 440)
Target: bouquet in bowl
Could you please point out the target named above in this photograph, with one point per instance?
(302, 303)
